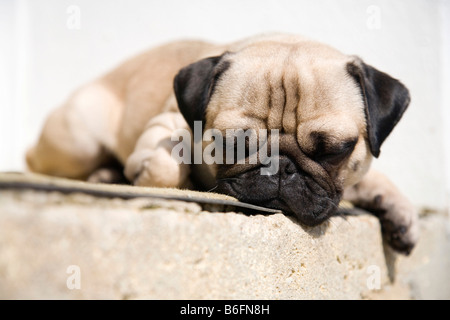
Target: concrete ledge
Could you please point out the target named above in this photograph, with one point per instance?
(161, 249)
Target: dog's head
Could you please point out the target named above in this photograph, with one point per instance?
(328, 112)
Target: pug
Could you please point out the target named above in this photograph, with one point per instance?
(328, 114)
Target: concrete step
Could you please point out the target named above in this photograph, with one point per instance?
(57, 245)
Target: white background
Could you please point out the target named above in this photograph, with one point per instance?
(44, 57)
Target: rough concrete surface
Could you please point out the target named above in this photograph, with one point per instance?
(159, 249)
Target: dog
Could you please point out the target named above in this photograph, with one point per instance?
(331, 112)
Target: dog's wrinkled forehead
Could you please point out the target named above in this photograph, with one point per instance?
(289, 89)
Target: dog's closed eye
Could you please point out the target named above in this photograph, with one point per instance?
(327, 150)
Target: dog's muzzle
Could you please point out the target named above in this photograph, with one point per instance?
(312, 200)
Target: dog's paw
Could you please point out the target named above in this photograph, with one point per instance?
(400, 226)
(107, 175)
(401, 238)
(155, 168)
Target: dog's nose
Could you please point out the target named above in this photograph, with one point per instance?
(287, 167)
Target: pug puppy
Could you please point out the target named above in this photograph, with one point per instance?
(331, 113)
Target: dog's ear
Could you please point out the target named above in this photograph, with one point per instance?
(194, 86)
(385, 99)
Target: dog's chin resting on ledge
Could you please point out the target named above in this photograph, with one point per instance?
(331, 113)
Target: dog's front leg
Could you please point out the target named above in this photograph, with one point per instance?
(398, 217)
(151, 163)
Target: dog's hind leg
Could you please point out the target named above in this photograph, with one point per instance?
(78, 137)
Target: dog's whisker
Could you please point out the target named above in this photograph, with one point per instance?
(213, 188)
(227, 179)
(338, 213)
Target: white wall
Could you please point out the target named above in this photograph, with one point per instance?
(445, 89)
(44, 56)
